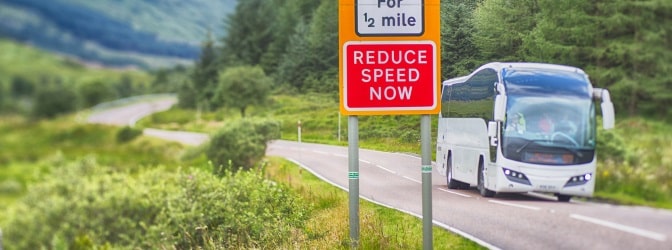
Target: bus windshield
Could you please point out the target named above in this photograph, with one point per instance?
(548, 129)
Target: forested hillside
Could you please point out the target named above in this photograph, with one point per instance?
(623, 45)
(116, 33)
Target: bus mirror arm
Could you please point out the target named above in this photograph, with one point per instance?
(608, 114)
(492, 133)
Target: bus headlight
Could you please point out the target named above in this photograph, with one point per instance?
(516, 177)
(579, 180)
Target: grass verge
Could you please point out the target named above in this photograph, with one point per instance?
(380, 227)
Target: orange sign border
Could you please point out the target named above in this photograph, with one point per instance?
(347, 33)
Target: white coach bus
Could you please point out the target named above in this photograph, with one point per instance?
(521, 127)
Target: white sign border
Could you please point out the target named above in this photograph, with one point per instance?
(422, 22)
(377, 109)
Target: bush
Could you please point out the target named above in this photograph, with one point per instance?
(241, 144)
(127, 134)
(54, 99)
(86, 205)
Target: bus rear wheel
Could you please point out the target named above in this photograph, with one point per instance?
(481, 182)
(452, 184)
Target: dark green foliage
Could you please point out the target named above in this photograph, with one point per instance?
(459, 54)
(249, 32)
(501, 26)
(243, 86)
(96, 92)
(204, 78)
(127, 134)
(241, 144)
(22, 87)
(623, 45)
(52, 99)
(85, 204)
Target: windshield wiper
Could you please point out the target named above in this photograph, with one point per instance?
(527, 144)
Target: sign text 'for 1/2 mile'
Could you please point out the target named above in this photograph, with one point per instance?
(389, 17)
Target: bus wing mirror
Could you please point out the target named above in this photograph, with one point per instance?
(608, 114)
(500, 107)
(608, 118)
(492, 133)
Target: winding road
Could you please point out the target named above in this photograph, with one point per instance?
(508, 221)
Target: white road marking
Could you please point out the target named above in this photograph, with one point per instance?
(383, 168)
(455, 193)
(411, 179)
(341, 155)
(624, 228)
(365, 161)
(514, 205)
(320, 152)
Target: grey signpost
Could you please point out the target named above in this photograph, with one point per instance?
(371, 84)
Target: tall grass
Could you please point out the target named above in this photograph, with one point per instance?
(380, 227)
(29, 149)
(635, 164)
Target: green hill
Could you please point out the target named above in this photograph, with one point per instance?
(145, 34)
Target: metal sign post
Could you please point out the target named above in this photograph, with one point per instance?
(425, 144)
(389, 64)
(353, 179)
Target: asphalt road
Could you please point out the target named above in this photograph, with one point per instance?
(128, 115)
(511, 221)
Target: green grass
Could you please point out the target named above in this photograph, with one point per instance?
(18, 60)
(640, 171)
(380, 227)
(28, 149)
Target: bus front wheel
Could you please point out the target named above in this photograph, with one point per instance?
(563, 198)
(481, 182)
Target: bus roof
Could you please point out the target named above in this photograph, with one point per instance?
(539, 78)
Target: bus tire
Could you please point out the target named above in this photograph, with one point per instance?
(452, 184)
(563, 198)
(481, 182)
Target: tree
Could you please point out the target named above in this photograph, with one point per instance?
(243, 86)
(323, 42)
(22, 87)
(249, 32)
(633, 54)
(124, 87)
(203, 79)
(295, 64)
(53, 99)
(459, 54)
(290, 15)
(95, 92)
(500, 28)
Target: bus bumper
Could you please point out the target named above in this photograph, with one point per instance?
(578, 181)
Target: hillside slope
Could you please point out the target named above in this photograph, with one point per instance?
(146, 34)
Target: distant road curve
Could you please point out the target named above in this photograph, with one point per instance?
(127, 112)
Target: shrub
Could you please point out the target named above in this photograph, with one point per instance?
(86, 205)
(54, 99)
(241, 144)
(127, 134)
